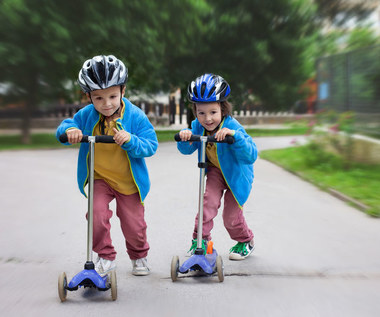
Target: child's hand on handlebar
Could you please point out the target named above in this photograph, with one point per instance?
(222, 133)
(74, 135)
(121, 136)
(185, 135)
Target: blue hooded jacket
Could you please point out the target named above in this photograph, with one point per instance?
(143, 142)
(235, 160)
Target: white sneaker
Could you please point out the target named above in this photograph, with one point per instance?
(104, 266)
(140, 267)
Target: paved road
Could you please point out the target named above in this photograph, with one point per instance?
(315, 255)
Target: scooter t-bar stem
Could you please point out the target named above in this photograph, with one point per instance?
(203, 140)
(90, 212)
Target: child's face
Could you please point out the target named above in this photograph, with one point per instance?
(107, 101)
(209, 115)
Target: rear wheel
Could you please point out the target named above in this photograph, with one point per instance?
(174, 268)
(62, 284)
(220, 268)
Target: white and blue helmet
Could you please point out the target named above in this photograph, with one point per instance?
(208, 88)
(101, 72)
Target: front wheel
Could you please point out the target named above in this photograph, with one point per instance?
(62, 284)
(113, 284)
(174, 268)
(220, 268)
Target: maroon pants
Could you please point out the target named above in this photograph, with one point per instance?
(233, 217)
(130, 211)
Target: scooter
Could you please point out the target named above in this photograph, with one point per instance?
(89, 277)
(205, 261)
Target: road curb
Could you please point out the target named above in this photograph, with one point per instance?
(346, 198)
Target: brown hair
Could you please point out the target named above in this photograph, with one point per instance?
(225, 107)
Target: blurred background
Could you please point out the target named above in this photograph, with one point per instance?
(296, 56)
(305, 80)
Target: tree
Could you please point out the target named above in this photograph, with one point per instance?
(258, 46)
(44, 43)
(338, 12)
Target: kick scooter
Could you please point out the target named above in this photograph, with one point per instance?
(89, 277)
(208, 262)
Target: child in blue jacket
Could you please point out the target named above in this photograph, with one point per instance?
(230, 166)
(120, 171)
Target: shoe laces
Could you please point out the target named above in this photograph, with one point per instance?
(141, 263)
(240, 248)
(195, 244)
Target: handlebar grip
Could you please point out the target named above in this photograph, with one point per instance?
(211, 138)
(63, 138)
(98, 138)
(228, 139)
(193, 138)
(104, 139)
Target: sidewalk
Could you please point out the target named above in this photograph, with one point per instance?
(314, 256)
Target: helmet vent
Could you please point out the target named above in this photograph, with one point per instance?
(203, 88)
(211, 92)
(223, 89)
(195, 92)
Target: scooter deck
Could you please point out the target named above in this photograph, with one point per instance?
(197, 262)
(88, 278)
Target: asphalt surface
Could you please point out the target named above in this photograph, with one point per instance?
(315, 255)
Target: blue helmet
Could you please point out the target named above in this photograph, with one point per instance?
(208, 88)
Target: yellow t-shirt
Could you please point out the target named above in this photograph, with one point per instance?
(211, 154)
(112, 163)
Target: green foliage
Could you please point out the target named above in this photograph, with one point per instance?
(267, 47)
(317, 157)
(333, 132)
(259, 45)
(339, 12)
(361, 37)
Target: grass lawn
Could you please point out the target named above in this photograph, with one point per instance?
(41, 141)
(361, 182)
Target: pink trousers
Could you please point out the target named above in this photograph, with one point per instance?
(131, 214)
(233, 217)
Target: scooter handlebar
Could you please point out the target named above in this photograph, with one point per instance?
(210, 138)
(98, 138)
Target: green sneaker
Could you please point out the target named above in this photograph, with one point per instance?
(194, 246)
(241, 250)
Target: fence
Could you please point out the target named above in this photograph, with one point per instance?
(351, 82)
(158, 114)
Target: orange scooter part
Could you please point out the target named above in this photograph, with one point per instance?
(210, 245)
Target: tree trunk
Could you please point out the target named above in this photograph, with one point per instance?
(29, 106)
(26, 123)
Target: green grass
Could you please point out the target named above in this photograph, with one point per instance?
(38, 141)
(277, 132)
(46, 141)
(43, 141)
(361, 181)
